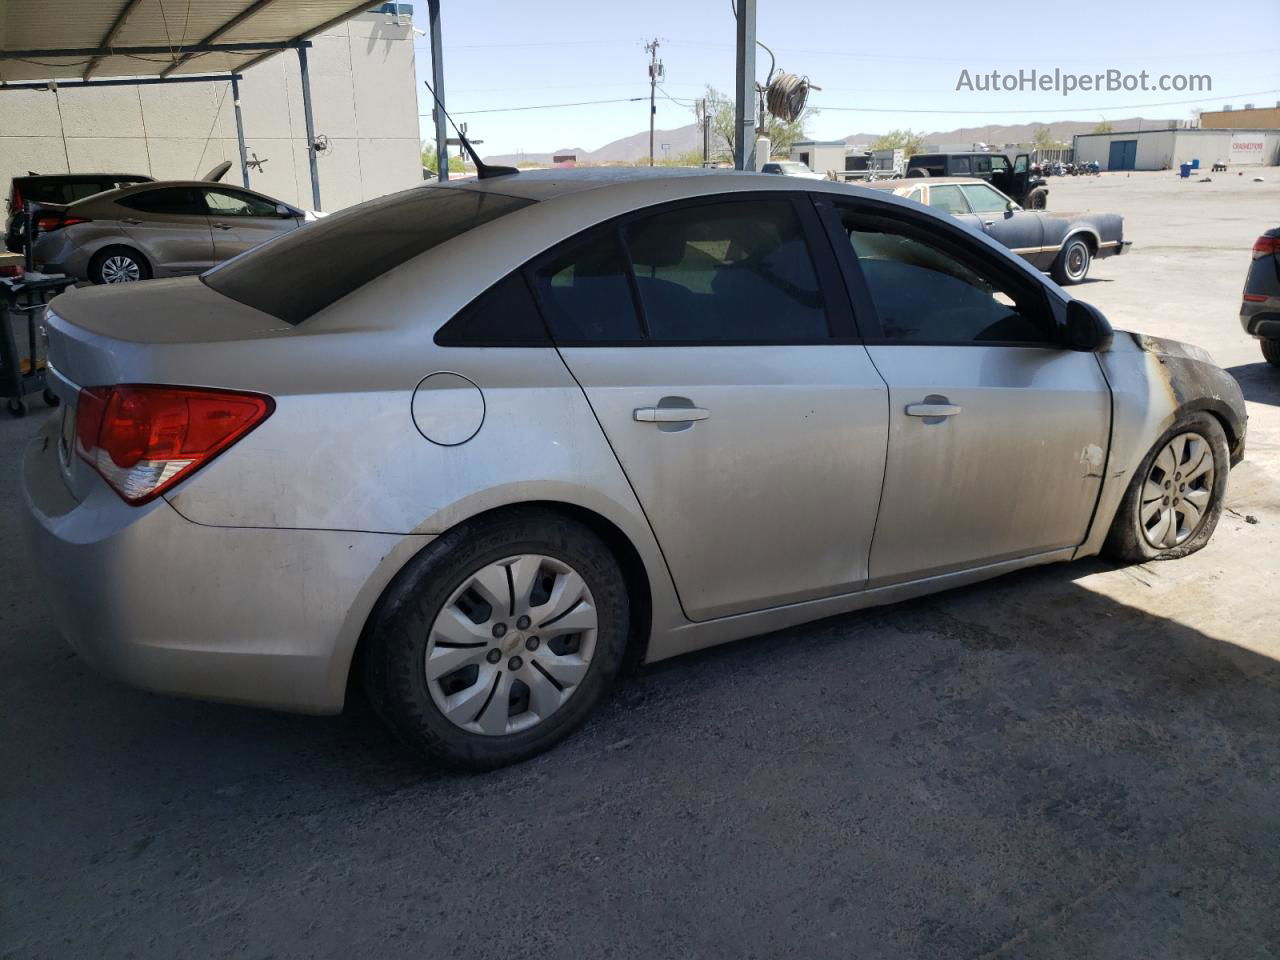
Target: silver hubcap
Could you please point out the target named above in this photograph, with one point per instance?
(120, 269)
(1077, 260)
(1177, 491)
(511, 645)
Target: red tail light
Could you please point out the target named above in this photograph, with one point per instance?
(1265, 247)
(48, 222)
(144, 439)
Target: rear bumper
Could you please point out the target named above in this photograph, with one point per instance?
(263, 617)
(1261, 319)
(1113, 248)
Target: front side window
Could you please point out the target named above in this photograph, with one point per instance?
(925, 293)
(734, 271)
(172, 201)
(999, 164)
(232, 203)
(948, 199)
(981, 165)
(985, 199)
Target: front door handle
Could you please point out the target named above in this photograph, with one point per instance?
(988, 223)
(670, 414)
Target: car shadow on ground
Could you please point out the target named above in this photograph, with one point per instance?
(1016, 764)
(1260, 382)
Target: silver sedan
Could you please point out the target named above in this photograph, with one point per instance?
(478, 446)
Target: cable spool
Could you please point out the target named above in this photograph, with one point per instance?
(786, 96)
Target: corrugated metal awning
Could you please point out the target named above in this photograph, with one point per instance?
(97, 39)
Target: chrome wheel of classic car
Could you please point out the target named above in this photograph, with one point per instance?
(1177, 491)
(511, 644)
(1072, 265)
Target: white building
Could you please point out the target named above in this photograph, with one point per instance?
(1166, 149)
(364, 100)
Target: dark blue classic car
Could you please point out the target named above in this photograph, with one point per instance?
(1062, 245)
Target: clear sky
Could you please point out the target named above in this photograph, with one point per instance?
(878, 64)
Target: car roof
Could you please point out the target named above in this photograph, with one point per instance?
(83, 176)
(147, 187)
(559, 182)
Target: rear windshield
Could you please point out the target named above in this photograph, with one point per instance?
(300, 273)
(39, 190)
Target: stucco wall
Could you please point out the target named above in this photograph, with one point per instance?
(1165, 149)
(364, 99)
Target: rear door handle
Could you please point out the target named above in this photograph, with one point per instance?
(670, 414)
(932, 409)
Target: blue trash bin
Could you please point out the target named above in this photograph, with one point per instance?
(1184, 170)
(1195, 163)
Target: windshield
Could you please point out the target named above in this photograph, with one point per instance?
(303, 272)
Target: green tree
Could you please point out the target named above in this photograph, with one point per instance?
(909, 140)
(1103, 127)
(429, 159)
(781, 133)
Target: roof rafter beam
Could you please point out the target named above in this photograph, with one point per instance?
(273, 46)
(341, 18)
(227, 27)
(125, 11)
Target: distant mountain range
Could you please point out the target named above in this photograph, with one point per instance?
(689, 138)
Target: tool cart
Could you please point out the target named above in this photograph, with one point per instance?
(22, 346)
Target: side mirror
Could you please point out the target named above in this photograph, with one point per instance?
(1087, 329)
(282, 211)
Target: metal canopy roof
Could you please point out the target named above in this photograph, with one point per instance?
(97, 39)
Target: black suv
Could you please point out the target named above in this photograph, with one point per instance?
(1012, 179)
(57, 188)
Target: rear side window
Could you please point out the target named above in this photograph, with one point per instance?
(505, 315)
(736, 271)
(959, 166)
(174, 201)
(297, 275)
(587, 294)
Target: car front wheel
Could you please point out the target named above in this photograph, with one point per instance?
(1175, 499)
(498, 640)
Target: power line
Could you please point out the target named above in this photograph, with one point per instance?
(543, 106)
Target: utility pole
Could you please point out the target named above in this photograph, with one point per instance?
(655, 74)
(705, 119)
(744, 94)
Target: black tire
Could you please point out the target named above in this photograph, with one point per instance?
(1271, 351)
(100, 259)
(1125, 541)
(17, 408)
(397, 635)
(917, 172)
(1072, 263)
(51, 399)
(1037, 199)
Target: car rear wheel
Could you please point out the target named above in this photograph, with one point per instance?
(1175, 499)
(1271, 351)
(498, 640)
(118, 265)
(1072, 264)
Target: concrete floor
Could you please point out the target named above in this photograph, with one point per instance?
(1071, 762)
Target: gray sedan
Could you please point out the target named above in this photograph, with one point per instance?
(161, 229)
(476, 446)
(1061, 244)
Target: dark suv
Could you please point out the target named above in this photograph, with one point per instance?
(57, 188)
(1012, 179)
(1260, 311)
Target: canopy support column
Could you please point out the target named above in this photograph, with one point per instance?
(311, 126)
(235, 102)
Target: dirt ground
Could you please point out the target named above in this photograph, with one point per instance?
(1070, 762)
